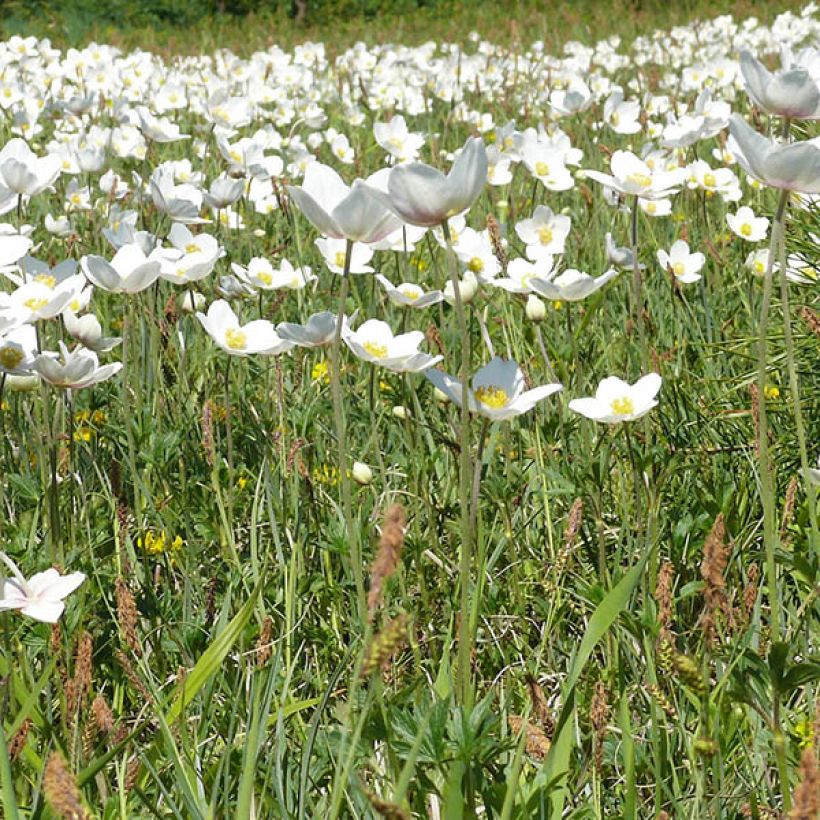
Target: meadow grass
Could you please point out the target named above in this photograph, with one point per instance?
(217, 661)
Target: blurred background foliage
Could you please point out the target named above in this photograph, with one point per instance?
(188, 26)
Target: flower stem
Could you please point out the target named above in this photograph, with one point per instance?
(770, 536)
(463, 679)
(637, 285)
(794, 389)
(341, 437)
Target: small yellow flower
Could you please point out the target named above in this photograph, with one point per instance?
(326, 474)
(558, 305)
(320, 373)
(158, 543)
(83, 434)
(241, 482)
(771, 391)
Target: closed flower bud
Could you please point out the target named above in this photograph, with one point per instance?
(191, 301)
(400, 412)
(362, 474)
(536, 310)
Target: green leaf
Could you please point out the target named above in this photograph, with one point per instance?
(9, 798)
(605, 614)
(211, 659)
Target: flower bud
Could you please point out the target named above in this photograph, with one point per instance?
(467, 287)
(536, 310)
(191, 301)
(362, 474)
(440, 396)
(400, 412)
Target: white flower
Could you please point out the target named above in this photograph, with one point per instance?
(757, 261)
(632, 176)
(17, 350)
(746, 225)
(23, 172)
(257, 336)
(130, 271)
(571, 286)
(261, 274)
(546, 164)
(616, 401)
(190, 257)
(374, 342)
(522, 272)
(683, 265)
(319, 330)
(42, 596)
(358, 213)
(87, 330)
(333, 250)
(73, 369)
(497, 390)
(409, 295)
(395, 138)
(545, 233)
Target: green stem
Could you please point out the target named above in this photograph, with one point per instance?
(794, 389)
(341, 437)
(637, 286)
(463, 679)
(770, 535)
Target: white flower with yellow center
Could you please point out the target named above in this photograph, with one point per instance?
(616, 401)
(409, 295)
(545, 233)
(522, 272)
(747, 226)
(683, 265)
(190, 258)
(374, 342)
(475, 252)
(256, 337)
(36, 300)
(333, 251)
(18, 348)
(261, 274)
(497, 390)
(757, 261)
(631, 176)
(546, 163)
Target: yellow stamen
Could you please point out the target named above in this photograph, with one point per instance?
(492, 396)
(235, 338)
(544, 236)
(623, 406)
(10, 357)
(377, 351)
(46, 279)
(476, 264)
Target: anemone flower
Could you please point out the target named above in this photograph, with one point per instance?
(497, 390)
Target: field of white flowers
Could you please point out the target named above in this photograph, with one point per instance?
(423, 432)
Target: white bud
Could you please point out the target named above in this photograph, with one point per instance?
(400, 411)
(191, 301)
(468, 287)
(439, 395)
(21, 384)
(536, 310)
(259, 233)
(362, 474)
